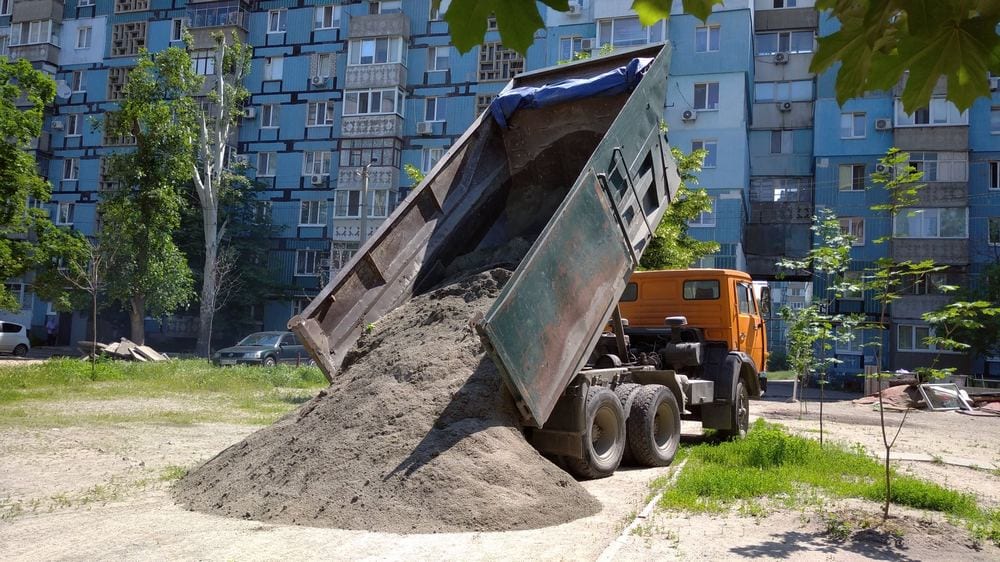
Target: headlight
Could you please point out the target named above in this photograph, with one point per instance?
(252, 354)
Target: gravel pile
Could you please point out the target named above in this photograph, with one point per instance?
(417, 434)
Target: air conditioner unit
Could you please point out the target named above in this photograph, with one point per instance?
(881, 168)
(575, 7)
(780, 58)
(994, 83)
(249, 112)
(784, 106)
(883, 124)
(689, 115)
(318, 80)
(57, 124)
(588, 44)
(239, 159)
(425, 128)
(317, 179)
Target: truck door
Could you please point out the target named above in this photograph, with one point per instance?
(748, 321)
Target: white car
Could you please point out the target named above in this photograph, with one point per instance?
(14, 339)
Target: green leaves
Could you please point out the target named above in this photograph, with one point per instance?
(880, 40)
(517, 21)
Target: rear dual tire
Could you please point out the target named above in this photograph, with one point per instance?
(654, 426)
(604, 438)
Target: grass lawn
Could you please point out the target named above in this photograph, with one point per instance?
(771, 464)
(195, 391)
(780, 375)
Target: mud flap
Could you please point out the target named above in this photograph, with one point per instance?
(718, 415)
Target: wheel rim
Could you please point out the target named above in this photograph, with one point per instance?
(604, 433)
(743, 412)
(663, 426)
(20, 350)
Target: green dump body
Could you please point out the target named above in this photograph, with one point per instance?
(570, 194)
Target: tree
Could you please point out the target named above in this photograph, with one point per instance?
(27, 238)
(139, 215)
(672, 247)
(212, 178)
(878, 41)
(85, 271)
(983, 339)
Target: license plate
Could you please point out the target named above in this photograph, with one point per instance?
(227, 361)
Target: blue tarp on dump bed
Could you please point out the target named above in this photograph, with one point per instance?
(621, 79)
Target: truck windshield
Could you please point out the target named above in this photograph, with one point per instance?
(701, 290)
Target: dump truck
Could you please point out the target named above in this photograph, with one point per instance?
(564, 180)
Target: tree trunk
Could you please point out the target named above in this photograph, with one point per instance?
(210, 219)
(137, 317)
(93, 335)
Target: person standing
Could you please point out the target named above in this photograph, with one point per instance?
(51, 328)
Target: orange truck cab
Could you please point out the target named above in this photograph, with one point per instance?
(706, 325)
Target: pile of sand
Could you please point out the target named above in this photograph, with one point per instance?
(417, 434)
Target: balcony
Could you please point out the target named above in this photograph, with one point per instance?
(379, 25)
(379, 177)
(944, 251)
(33, 10)
(947, 138)
(912, 306)
(786, 18)
(771, 115)
(38, 52)
(42, 143)
(372, 126)
(767, 243)
(374, 76)
(784, 212)
(943, 194)
(795, 67)
(205, 21)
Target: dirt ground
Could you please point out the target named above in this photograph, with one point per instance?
(102, 492)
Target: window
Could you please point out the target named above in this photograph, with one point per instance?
(429, 157)
(375, 50)
(327, 17)
(951, 222)
(273, 68)
(742, 298)
(362, 102)
(323, 64)
(497, 62)
(706, 96)
(994, 175)
(22, 295)
(994, 119)
(30, 32)
(569, 46)
(312, 213)
(993, 236)
(358, 152)
(852, 177)
(378, 203)
(434, 109)
(306, 262)
(385, 7)
(914, 338)
(706, 38)
(853, 125)
(269, 115)
(203, 62)
(4, 45)
(266, 163)
(439, 58)
(941, 166)
(435, 14)
(705, 218)
(261, 212)
(128, 38)
(850, 342)
(73, 125)
(347, 203)
(785, 3)
(852, 278)
(491, 23)
(76, 81)
(316, 163)
(855, 227)
(710, 147)
(276, 20)
(927, 284)
(71, 169)
(64, 213)
(5, 6)
(784, 42)
(339, 258)
(798, 90)
(130, 5)
(298, 305)
(622, 32)
(781, 142)
(701, 290)
(940, 112)
(176, 29)
(319, 114)
(84, 36)
(483, 102)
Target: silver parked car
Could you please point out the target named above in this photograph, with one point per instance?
(14, 339)
(263, 348)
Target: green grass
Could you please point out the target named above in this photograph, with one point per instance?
(780, 375)
(771, 463)
(241, 394)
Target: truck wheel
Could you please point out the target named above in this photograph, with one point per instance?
(626, 394)
(603, 436)
(654, 426)
(740, 414)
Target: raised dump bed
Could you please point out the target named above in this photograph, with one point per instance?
(564, 179)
